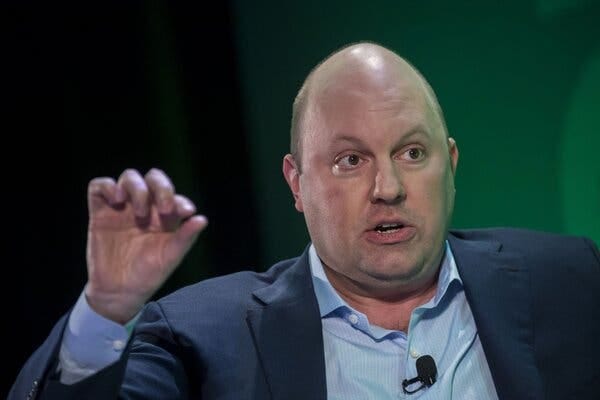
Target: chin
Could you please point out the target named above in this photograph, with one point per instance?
(394, 273)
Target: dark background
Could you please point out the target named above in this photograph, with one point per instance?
(204, 91)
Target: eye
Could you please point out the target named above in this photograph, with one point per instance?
(349, 161)
(413, 154)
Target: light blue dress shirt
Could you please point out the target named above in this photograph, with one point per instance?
(90, 342)
(365, 361)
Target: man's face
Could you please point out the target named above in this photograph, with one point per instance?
(376, 183)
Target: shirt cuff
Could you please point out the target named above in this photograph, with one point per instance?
(91, 342)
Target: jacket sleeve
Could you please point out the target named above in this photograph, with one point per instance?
(149, 368)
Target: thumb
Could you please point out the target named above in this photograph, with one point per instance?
(185, 236)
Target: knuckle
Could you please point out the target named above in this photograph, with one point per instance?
(130, 173)
(156, 171)
(99, 182)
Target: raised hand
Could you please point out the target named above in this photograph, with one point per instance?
(139, 230)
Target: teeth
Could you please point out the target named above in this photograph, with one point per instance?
(388, 227)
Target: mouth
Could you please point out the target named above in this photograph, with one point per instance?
(388, 228)
(391, 232)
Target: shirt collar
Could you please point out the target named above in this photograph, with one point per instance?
(329, 300)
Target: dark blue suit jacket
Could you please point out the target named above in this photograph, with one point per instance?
(535, 298)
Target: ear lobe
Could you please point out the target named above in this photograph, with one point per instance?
(292, 177)
(453, 152)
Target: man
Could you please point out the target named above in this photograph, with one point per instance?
(503, 313)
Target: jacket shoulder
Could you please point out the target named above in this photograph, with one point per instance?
(539, 247)
(519, 237)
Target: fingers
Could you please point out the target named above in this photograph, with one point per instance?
(155, 189)
(161, 190)
(184, 206)
(136, 190)
(102, 191)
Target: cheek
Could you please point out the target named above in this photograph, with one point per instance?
(331, 205)
(432, 193)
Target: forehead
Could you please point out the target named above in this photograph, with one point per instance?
(359, 97)
(356, 97)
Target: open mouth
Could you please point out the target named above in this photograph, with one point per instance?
(391, 232)
(388, 228)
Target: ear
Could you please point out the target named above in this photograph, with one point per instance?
(453, 152)
(292, 176)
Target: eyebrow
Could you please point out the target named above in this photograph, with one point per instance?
(417, 130)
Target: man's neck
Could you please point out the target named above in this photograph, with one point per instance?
(390, 312)
(390, 315)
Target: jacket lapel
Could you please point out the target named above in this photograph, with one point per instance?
(497, 288)
(286, 329)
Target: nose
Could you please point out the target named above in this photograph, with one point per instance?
(388, 186)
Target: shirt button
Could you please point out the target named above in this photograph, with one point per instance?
(414, 353)
(118, 345)
(353, 318)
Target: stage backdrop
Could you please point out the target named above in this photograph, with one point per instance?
(519, 82)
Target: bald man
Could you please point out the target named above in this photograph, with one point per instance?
(384, 303)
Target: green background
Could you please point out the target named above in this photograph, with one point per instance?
(519, 83)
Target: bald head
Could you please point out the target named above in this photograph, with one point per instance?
(361, 66)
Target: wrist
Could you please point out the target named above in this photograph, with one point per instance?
(115, 306)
